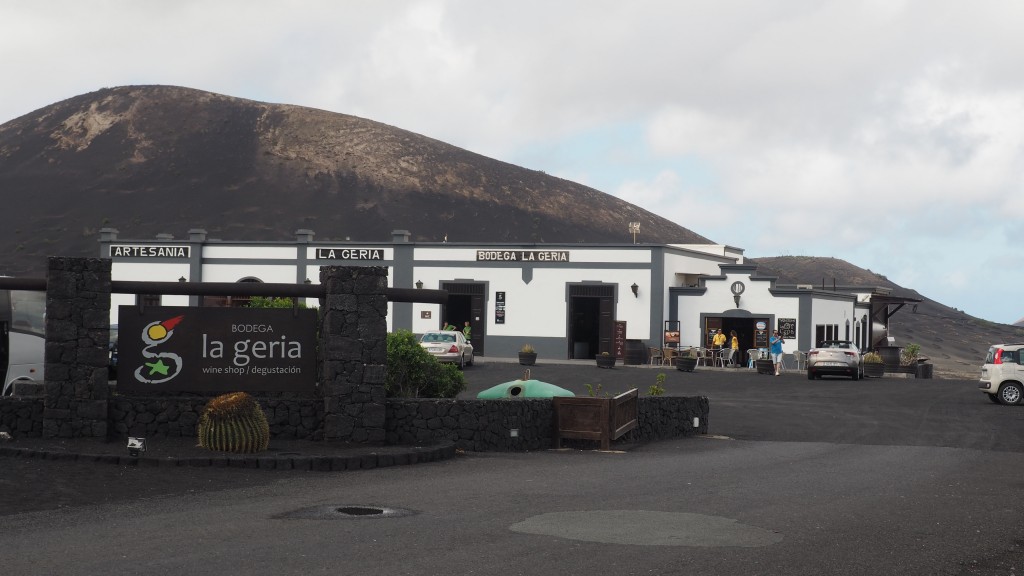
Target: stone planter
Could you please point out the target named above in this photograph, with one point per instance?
(527, 358)
(686, 363)
(605, 361)
(874, 369)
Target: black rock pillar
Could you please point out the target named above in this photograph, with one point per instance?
(76, 357)
(353, 352)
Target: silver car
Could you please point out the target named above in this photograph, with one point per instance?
(448, 346)
(836, 358)
(1002, 376)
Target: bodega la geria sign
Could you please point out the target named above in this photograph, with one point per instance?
(176, 348)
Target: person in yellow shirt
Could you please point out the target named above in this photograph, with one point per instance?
(719, 340)
(735, 345)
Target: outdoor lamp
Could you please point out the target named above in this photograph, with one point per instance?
(182, 279)
(419, 284)
(136, 445)
(635, 290)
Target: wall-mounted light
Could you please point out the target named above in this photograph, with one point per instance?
(419, 284)
(635, 289)
(182, 279)
(136, 445)
(307, 281)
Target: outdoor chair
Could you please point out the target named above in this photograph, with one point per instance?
(654, 354)
(669, 356)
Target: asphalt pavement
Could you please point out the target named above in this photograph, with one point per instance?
(886, 476)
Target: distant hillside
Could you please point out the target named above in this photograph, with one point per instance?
(954, 341)
(162, 159)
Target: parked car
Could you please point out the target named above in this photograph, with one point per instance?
(448, 346)
(835, 358)
(1002, 375)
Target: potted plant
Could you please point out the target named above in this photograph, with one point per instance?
(605, 360)
(527, 355)
(874, 367)
(686, 361)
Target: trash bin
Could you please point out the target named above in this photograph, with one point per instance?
(924, 370)
(523, 389)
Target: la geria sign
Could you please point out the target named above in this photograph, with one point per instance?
(175, 348)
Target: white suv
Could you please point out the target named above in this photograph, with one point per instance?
(1002, 376)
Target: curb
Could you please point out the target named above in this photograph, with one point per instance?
(317, 463)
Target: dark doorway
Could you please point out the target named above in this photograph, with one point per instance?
(591, 320)
(466, 304)
(746, 330)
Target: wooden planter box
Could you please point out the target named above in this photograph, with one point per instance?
(606, 361)
(527, 358)
(601, 419)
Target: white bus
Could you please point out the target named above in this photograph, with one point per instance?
(22, 337)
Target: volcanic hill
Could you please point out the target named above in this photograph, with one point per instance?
(161, 159)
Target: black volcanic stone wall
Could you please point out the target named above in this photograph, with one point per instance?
(77, 333)
(353, 348)
(484, 425)
(292, 418)
(22, 417)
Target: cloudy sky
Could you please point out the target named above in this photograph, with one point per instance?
(887, 133)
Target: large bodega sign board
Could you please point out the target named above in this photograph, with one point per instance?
(187, 349)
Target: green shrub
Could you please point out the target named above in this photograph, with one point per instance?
(414, 373)
(873, 358)
(234, 423)
(271, 302)
(658, 388)
(909, 354)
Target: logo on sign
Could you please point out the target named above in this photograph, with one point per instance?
(164, 366)
(761, 325)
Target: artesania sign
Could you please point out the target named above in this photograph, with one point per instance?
(349, 254)
(151, 251)
(181, 348)
(522, 255)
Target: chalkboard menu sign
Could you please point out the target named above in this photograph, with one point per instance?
(787, 328)
(620, 339)
(499, 307)
(760, 338)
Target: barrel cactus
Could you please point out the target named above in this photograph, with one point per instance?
(234, 423)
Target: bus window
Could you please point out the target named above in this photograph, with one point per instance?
(28, 312)
(22, 315)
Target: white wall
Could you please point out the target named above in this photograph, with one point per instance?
(262, 252)
(539, 308)
(147, 272)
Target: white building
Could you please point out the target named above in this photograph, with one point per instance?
(566, 300)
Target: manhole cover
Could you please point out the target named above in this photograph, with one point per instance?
(335, 512)
(360, 511)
